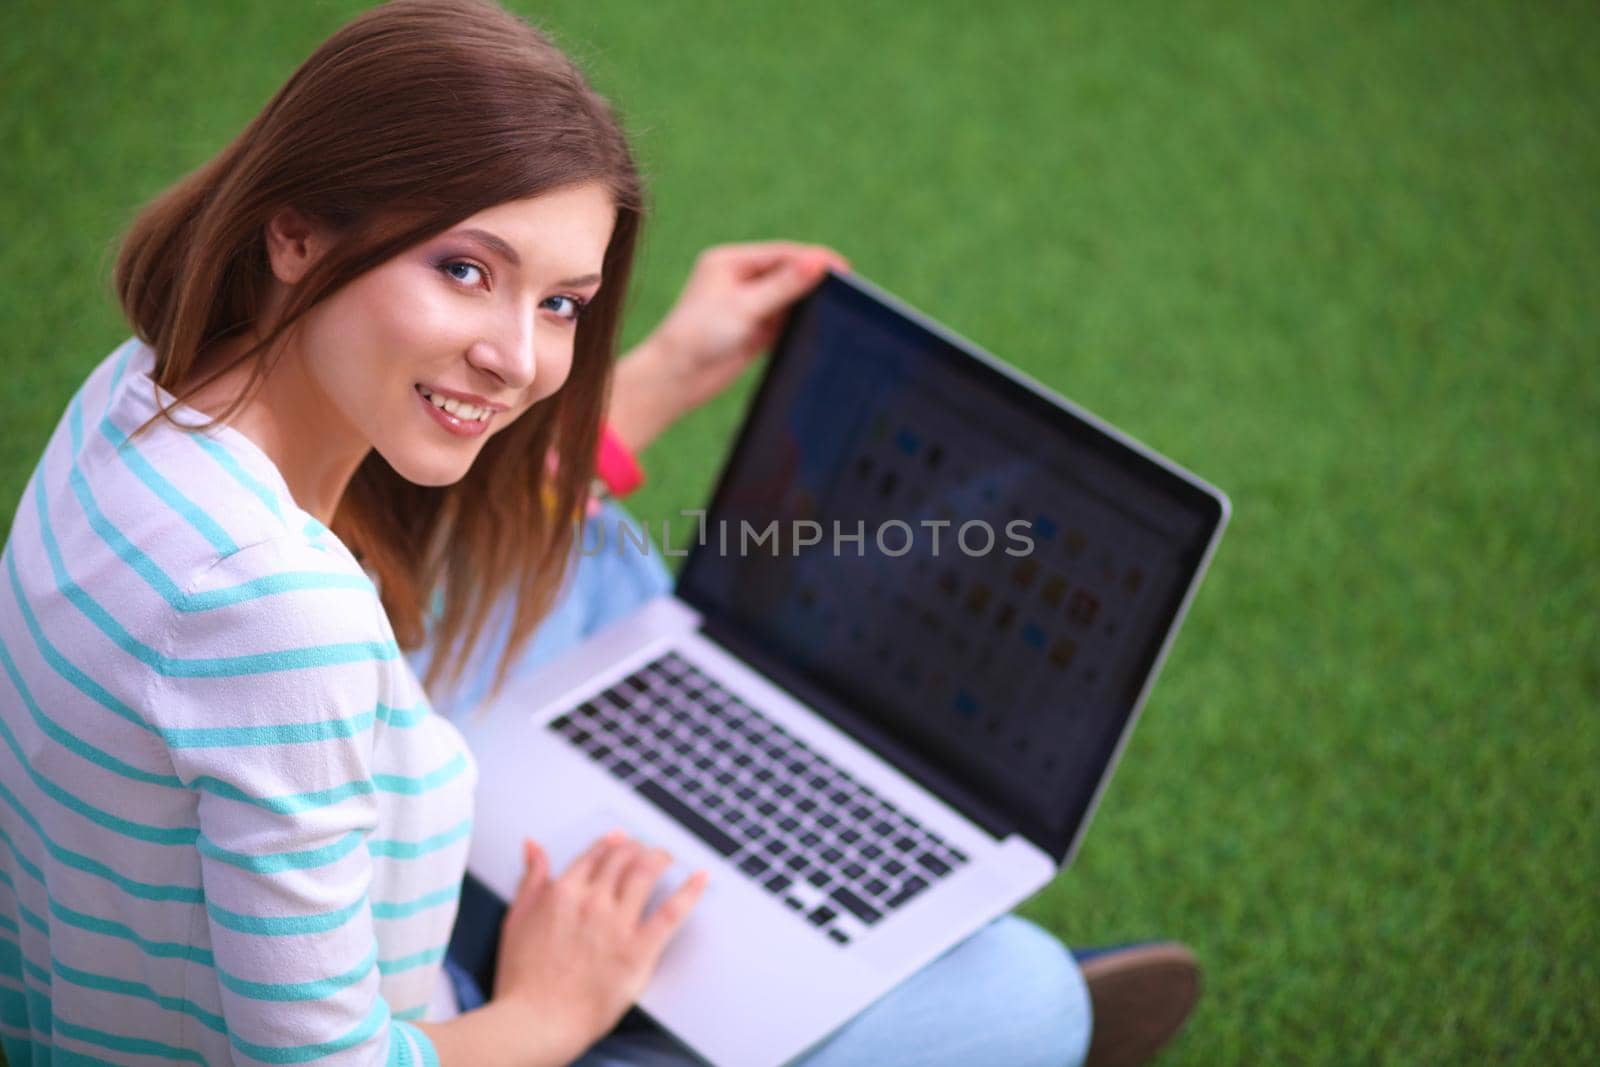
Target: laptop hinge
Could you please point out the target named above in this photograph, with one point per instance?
(933, 777)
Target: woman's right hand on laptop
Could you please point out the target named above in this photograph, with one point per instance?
(576, 950)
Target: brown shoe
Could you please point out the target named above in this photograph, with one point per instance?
(1141, 997)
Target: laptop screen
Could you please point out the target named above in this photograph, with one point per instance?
(974, 579)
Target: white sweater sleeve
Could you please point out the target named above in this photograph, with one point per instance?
(270, 708)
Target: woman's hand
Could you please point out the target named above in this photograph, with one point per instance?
(575, 951)
(730, 311)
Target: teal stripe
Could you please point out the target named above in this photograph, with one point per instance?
(33, 970)
(407, 850)
(14, 1003)
(75, 744)
(399, 1054)
(430, 1056)
(201, 667)
(78, 861)
(10, 957)
(31, 917)
(59, 663)
(274, 863)
(283, 925)
(9, 925)
(28, 866)
(415, 786)
(156, 835)
(294, 803)
(290, 733)
(39, 1009)
(126, 348)
(401, 909)
(230, 463)
(289, 803)
(196, 737)
(272, 584)
(425, 1049)
(170, 495)
(107, 928)
(65, 1057)
(375, 1020)
(403, 717)
(177, 950)
(118, 1043)
(416, 959)
(211, 599)
(107, 984)
(411, 1013)
(319, 989)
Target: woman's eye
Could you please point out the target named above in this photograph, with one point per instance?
(460, 270)
(568, 307)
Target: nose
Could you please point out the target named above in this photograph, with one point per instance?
(507, 351)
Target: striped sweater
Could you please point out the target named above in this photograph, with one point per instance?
(231, 830)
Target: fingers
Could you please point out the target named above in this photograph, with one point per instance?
(611, 866)
(784, 284)
(756, 257)
(665, 920)
(582, 869)
(536, 868)
(634, 887)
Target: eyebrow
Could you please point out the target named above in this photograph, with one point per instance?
(498, 244)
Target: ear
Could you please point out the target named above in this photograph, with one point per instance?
(293, 245)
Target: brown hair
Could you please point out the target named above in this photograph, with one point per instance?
(412, 117)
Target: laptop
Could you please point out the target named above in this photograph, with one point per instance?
(913, 633)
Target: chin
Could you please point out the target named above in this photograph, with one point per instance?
(430, 471)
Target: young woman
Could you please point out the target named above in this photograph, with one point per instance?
(362, 409)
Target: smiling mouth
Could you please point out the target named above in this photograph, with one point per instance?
(456, 408)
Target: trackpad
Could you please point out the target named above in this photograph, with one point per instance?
(474, 943)
(572, 840)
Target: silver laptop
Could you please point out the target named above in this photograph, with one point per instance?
(914, 631)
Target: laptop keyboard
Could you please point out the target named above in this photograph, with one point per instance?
(804, 830)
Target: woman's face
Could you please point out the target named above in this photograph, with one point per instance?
(426, 356)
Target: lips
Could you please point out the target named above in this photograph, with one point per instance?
(453, 422)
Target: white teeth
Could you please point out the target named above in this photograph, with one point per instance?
(463, 411)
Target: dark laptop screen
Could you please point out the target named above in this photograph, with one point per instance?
(992, 577)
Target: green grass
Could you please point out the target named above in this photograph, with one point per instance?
(1342, 260)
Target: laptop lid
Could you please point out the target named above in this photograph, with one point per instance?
(968, 573)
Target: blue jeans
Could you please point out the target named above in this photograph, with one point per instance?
(1010, 995)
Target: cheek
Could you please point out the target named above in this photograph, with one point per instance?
(388, 313)
(556, 372)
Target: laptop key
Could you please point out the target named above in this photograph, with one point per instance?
(692, 820)
(753, 865)
(822, 914)
(839, 936)
(933, 863)
(908, 889)
(855, 905)
(778, 883)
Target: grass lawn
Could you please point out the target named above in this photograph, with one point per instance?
(1342, 260)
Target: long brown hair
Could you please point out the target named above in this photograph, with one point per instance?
(412, 117)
